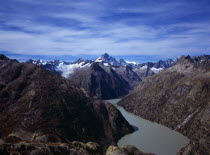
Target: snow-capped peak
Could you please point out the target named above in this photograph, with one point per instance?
(105, 58)
(37, 62)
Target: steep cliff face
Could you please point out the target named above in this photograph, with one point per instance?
(101, 81)
(37, 105)
(178, 97)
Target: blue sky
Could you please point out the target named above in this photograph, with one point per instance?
(150, 28)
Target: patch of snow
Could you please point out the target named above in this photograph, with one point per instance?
(131, 62)
(156, 70)
(44, 63)
(98, 59)
(144, 67)
(106, 64)
(69, 69)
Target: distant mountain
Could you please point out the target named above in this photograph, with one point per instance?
(67, 68)
(149, 69)
(37, 106)
(105, 58)
(62, 68)
(127, 74)
(178, 97)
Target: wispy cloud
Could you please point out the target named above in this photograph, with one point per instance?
(97, 26)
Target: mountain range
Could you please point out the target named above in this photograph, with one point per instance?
(104, 77)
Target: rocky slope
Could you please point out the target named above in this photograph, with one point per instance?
(39, 106)
(178, 97)
(101, 81)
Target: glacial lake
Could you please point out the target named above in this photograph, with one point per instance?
(151, 137)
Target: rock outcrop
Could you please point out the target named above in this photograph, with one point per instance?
(125, 150)
(41, 107)
(178, 97)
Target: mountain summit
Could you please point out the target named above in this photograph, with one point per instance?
(106, 58)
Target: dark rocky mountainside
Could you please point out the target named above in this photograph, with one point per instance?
(39, 106)
(178, 97)
(101, 81)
